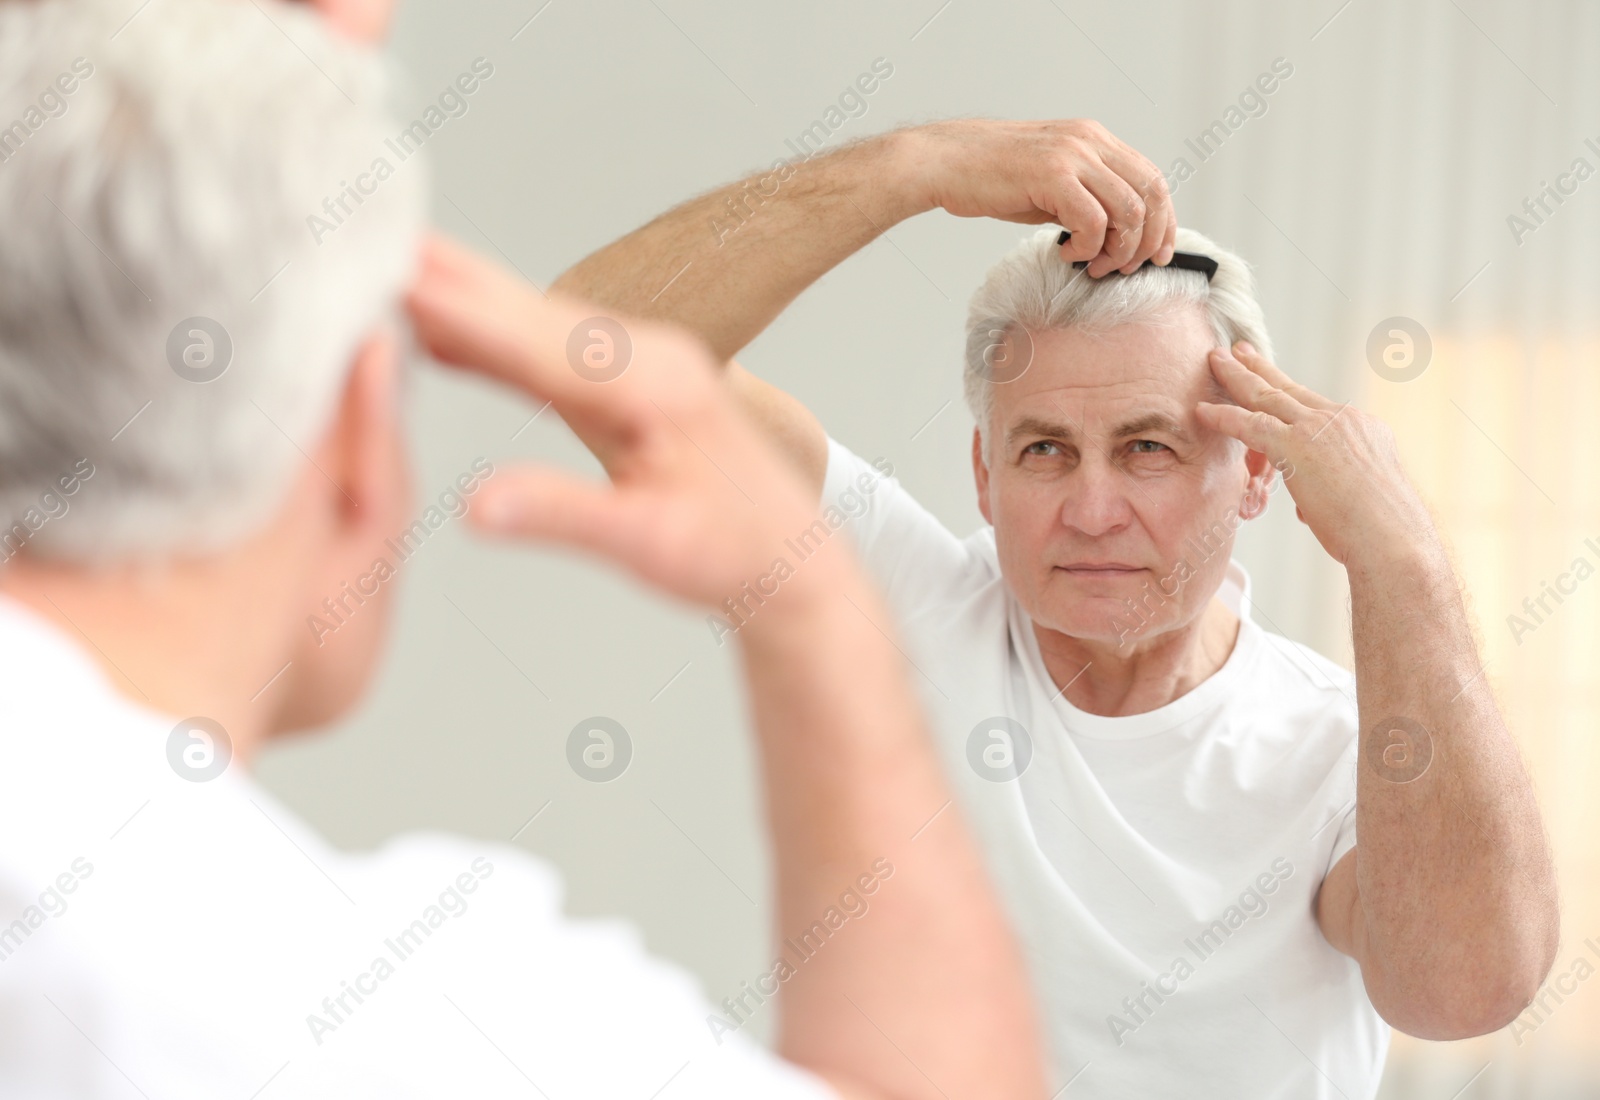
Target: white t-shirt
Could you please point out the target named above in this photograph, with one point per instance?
(195, 940)
(1160, 868)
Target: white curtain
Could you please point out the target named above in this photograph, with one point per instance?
(1379, 184)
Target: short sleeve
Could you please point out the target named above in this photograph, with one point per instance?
(912, 556)
(1345, 840)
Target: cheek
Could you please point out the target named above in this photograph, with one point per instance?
(1026, 511)
(1168, 509)
(1182, 516)
(1199, 530)
(1223, 490)
(1211, 494)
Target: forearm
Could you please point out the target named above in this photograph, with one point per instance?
(727, 263)
(1456, 888)
(929, 965)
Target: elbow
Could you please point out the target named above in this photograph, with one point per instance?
(1481, 1016)
(1487, 1001)
(1448, 1018)
(1480, 970)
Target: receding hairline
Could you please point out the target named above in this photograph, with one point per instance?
(1215, 390)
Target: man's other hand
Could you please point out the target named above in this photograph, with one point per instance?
(1348, 485)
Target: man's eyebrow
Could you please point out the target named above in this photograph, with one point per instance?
(1034, 425)
(1139, 425)
(1150, 422)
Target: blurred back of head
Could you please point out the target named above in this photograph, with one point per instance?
(158, 169)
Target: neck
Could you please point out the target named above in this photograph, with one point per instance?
(1115, 681)
(181, 639)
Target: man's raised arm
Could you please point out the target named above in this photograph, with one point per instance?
(922, 993)
(725, 264)
(1448, 900)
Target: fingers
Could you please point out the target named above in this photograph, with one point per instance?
(1125, 216)
(1246, 353)
(1260, 431)
(1169, 243)
(1251, 390)
(1114, 201)
(1080, 213)
(471, 313)
(1160, 222)
(447, 257)
(539, 504)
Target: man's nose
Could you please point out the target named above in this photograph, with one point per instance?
(1097, 498)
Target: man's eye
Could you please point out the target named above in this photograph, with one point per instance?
(1043, 447)
(1147, 447)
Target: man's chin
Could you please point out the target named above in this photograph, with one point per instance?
(1103, 595)
(1089, 618)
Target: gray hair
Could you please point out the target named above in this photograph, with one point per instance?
(164, 167)
(1032, 288)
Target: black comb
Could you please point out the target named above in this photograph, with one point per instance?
(1187, 261)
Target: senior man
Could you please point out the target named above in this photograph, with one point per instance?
(200, 453)
(1168, 794)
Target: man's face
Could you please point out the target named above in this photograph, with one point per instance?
(1102, 486)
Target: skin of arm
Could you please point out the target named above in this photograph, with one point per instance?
(924, 994)
(795, 230)
(1449, 901)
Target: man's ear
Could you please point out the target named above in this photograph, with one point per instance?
(1259, 486)
(980, 475)
(363, 445)
(356, 499)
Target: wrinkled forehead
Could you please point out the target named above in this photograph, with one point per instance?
(1095, 376)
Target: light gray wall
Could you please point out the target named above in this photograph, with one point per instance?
(1377, 183)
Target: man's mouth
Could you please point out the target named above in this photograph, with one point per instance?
(1099, 570)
